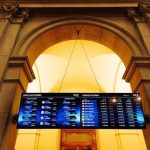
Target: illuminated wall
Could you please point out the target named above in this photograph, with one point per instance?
(101, 70)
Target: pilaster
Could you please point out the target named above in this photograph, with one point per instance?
(6, 13)
(138, 74)
(18, 74)
(141, 19)
(11, 20)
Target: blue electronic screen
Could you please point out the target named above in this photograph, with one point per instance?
(81, 110)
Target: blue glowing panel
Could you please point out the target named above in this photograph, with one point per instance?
(81, 110)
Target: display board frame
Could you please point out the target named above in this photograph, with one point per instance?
(81, 111)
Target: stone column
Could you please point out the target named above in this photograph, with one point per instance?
(11, 21)
(138, 74)
(141, 19)
(5, 16)
(18, 74)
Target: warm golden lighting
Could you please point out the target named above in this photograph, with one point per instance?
(108, 70)
(51, 64)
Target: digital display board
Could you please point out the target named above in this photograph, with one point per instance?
(81, 110)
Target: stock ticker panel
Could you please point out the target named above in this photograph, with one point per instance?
(81, 110)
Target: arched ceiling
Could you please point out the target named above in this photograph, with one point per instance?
(104, 76)
(86, 32)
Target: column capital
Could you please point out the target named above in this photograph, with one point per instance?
(145, 10)
(135, 63)
(13, 13)
(142, 14)
(8, 10)
(135, 15)
(21, 16)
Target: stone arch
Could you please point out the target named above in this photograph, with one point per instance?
(92, 28)
(19, 71)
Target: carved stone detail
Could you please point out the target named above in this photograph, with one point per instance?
(145, 10)
(8, 11)
(135, 15)
(13, 13)
(142, 14)
(21, 16)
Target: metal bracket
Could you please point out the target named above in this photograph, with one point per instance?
(147, 118)
(15, 119)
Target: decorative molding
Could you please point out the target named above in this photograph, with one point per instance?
(145, 10)
(13, 13)
(73, 1)
(135, 62)
(21, 16)
(8, 10)
(75, 4)
(24, 44)
(142, 14)
(79, 5)
(135, 15)
(24, 63)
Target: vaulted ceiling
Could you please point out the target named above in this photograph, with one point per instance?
(65, 67)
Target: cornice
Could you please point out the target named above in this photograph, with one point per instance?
(69, 1)
(22, 61)
(73, 3)
(77, 5)
(18, 64)
(135, 62)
